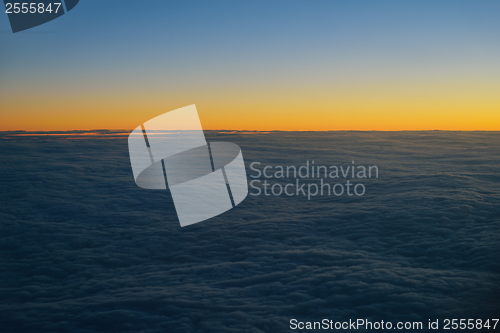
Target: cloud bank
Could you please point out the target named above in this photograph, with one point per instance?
(82, 249)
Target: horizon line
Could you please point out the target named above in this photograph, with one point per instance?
(123, 131)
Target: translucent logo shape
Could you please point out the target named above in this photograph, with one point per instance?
(205, 179)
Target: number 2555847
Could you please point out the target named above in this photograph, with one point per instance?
(32, 7)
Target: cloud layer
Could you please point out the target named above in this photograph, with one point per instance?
(82, 249)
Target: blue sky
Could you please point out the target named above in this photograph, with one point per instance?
(209, 48)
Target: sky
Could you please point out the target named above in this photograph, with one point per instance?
(257, 65)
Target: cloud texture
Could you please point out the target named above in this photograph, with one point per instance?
(83, 249)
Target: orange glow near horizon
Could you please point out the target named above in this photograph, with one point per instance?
(384, 108)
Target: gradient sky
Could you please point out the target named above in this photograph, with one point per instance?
(257, 65)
